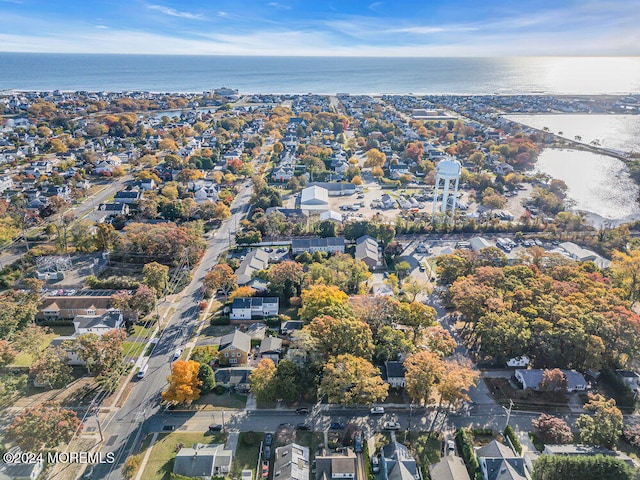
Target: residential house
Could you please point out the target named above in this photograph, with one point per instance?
(450, 467)
(387, 202)
(129, 197)
(233, 377)
(234, 348)
(291, 463)
(336, 466)
(114, 208)
(630, 378)
(290, 326)
(311, 245)
(394, 373)
(203, 461)
(6, 183)
(254, 261)
(146, 185)
(248, 308)
(282, 173)
(69, 307)
(271, 347)
(367, 251)
(98, 324)
(396, 463)
(499, 462)
(531, 378)
(62, 191)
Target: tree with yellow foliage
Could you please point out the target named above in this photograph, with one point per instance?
(183, 382)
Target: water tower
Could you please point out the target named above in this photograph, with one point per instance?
(447, 175)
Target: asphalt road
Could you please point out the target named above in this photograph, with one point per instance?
(135, 419)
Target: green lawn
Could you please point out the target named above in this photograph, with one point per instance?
(141, 332)
(160, 463)
(247, 453)
(426, 450)
(24, 359)
(217, 402)
(133, 349)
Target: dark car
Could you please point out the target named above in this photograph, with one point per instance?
(357, 443)
(336, 425)
(303, 426)
(215, 428)
(268, 439)
(302, 410)
(267, 453)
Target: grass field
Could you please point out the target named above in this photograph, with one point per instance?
(133, 349)
(247, 453)
(160, 463)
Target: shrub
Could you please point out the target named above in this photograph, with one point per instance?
(510, 434)
(219, 390)
(465, 445)
(131, 466)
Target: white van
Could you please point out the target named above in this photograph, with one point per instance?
(143, 370)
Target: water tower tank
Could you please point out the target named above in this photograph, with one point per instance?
(448, 168)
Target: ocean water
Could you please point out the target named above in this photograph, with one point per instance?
(322, 75)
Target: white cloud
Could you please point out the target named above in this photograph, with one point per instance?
(102, 27)
(278, 6)
(175, 13)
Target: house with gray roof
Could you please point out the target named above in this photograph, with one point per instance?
(367, 251)
(450, 467)
(203, 461)
(499, 462)
(311, 245)
(271, 348)
(254, 261)
(531, 378)
(393, 373)
(396, 463)
(291, 462)
(98, 324)
(336, 466)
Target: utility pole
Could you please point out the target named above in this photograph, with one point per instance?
(508, 410)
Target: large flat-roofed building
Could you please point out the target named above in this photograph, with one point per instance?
(311, 245)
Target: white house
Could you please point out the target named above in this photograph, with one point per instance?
(395, 372)
(254, 307)
(532, 378)
(98, 324)
(292, 462)
(314, 198)
(203, 461)
(254, 261)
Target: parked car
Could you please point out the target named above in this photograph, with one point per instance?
(303, 426)
(216, 427)
(336, 425)
(267, 453)
(88, 473)
(357, 443)
(391, 426)
(177, 353)
(376, 410)
(375, 464)
(302, 410)
(451, 446)
(268, 439)
(265, 469)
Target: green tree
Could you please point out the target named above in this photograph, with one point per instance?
(324, 300)
(51, 368)
(100, 353)
(207, 377)
(604, 426)
(156, 276)
(581, 467)
(261, 380)
(351, 380)
(390, 342)
(337, 336)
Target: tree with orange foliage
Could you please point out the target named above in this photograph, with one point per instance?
(183, 382)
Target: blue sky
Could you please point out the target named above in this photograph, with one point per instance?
(317, 27)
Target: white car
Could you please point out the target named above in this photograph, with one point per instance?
(391, 426)
(451, 446)
(177, 353)
(376, 410)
